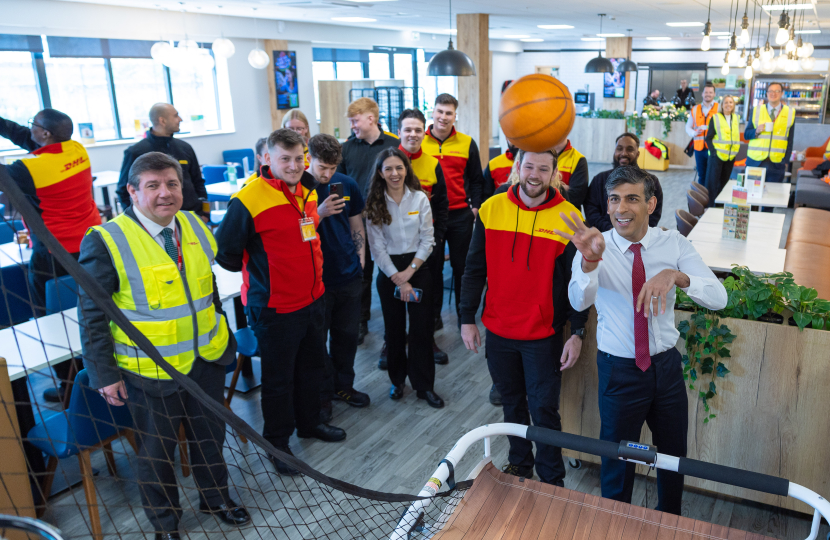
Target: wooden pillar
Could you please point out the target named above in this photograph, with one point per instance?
(618, 48)
(474, 107)
(270, 46)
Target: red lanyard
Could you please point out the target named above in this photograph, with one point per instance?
(176, 236)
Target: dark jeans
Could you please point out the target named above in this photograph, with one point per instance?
(717, 176)
(342, 324)
(419, 365)
(436, 270)
(627, 398)
(459, 235)
(156, 423)
(702, 163)
(527, 375)
(292, 347)
(366, 296)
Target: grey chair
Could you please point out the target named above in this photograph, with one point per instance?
(685, 221)
(700, 188)
(696, 207)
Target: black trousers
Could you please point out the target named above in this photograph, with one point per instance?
(528, 377)
(292, 347)
(459, 235)
(627, 398)
(366, 296)
(42, 268)
(717, 176)
(156, 421)
(436, 271)
(419, 365)
(342, 324)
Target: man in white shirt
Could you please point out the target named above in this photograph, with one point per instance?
(697, 126)
(632, 283)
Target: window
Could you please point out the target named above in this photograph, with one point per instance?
(403, 69)
(194, 96)
(379, 66)
(349, 71)
(80, 88)
(433, 86)
(139, 84)
(18, 86)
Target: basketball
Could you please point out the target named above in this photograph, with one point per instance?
(536, 112)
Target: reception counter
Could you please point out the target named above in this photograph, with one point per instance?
(772, 409)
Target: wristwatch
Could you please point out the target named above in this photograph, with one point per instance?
(413, 266)
(579, 332)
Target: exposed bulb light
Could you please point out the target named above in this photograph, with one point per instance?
(742, 58)
(744, 38)
(258, 59)
(808, 50)
(187, 44)
(748, 72)
(808, 63)
(767, 66)
(160, 51)
(799, 48)
(790, 46)
(704, 46)
(223, 48)
(725, 69)
(203, 60)
(781, 61)
(782, 35)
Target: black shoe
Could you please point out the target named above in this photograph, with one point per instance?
(231, 513)
(324, 432)
(521, 472)
(438, 355)
(382, 363)
(283, 468)
(495, 397)
(396, 392)
(168, 536)
(353, 398)
(53, 395)
(325, 412)
(362, 331)
(439, 323)
(433, 400)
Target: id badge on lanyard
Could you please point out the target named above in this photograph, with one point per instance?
(307, 229)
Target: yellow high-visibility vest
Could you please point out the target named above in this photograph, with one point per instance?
(173, 308)
(727, 140)
(827, 151)
(771, 145)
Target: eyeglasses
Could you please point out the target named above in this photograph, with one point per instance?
(32, 123)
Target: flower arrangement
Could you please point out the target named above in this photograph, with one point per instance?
(667, 114)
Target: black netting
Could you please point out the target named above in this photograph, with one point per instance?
(103, 445)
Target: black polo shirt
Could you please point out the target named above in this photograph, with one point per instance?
(359, 158)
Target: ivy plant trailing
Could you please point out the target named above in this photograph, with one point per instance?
(706, 340)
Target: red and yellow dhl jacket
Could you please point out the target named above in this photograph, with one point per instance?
(526, 266)
(58, 180)
(498, 171)
(568, 160)
(429, 174)
(260, 235)
(460, 161)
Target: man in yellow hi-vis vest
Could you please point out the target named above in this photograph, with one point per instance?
(155, 262)
(770, 134)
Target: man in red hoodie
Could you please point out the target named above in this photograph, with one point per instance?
(527, 268)
(270, 234)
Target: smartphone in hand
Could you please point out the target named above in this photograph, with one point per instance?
(419, 293)
(336, 189)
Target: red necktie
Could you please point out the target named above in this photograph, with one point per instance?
(638, 279)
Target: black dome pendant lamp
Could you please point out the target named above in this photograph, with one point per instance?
(451, 62)
(627, 65)
(599, 64)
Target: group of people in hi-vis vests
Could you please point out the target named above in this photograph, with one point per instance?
(717, 137)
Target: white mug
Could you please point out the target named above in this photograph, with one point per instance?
(768, 127)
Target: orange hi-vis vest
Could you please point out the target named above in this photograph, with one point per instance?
(63, 183)
(702, 121)
(567, 162)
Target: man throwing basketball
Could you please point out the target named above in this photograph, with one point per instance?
(630, 273)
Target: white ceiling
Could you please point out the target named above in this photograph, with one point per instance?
(644, 17)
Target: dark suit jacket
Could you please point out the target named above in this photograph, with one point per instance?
(96, 338)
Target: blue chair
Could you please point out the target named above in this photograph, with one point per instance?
(61, 294)
(8, 228)
(89, 424)
(237, 156)
(214, 174)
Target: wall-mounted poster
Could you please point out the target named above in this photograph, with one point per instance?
(285, 72)
(614, 83)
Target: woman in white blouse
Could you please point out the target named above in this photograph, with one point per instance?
(399, 225)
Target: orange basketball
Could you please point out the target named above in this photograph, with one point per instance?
(536, 112)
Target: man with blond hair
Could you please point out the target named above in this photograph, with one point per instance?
(359, 153)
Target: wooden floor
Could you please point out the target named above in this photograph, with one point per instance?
(392, 446)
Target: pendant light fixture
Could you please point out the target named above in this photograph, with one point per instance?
(451, 62)
(627, 65)
(599, 64)
(704, 46)
(725, 69)
(782, 36)
(257, 57)
(748, 70)
(160, 50)
(223, 47)
(745, 26)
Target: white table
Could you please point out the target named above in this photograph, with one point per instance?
(14, 254)
(106, 181)
(776, 195)
(763, 231)
(765, 220)
(222, 191)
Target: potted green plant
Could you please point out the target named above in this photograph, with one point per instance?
(808, 309)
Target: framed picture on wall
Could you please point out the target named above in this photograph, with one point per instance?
(285, 72)
(614, 83)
